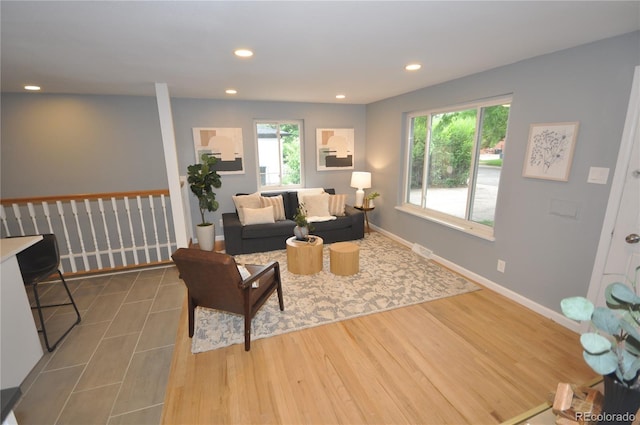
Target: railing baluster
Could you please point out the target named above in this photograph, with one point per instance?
(3, 216)
(166, 225)
(32, 214)
(112, 262)
(155, 226)
(83, 251)
(18, 216)
(144, 229)
(71, 257)
(47, 214)
(87, 208)
(133, 238)
(115, 212)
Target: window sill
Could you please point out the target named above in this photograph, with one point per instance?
(468, 227)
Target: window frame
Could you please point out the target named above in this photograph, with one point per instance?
(465, 225)
(278, 123)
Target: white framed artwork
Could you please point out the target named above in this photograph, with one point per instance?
(550, 151)
(223, 143)
(335, 148)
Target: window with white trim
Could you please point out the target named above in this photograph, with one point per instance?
(279, 154)
(454, 163)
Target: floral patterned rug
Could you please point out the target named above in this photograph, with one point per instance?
(391, 276)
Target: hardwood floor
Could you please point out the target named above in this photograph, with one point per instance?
(476, 358)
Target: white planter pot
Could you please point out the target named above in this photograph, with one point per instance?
(206, 237)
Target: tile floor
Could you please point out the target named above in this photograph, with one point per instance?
(113, 367)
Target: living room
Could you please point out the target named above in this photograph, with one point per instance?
(91, 143)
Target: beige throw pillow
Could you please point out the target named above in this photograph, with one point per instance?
(258, 215)
(336, 204)
(277, 203)
(317, 205)
(246, 201)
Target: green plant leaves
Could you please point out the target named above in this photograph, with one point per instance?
(603, 364)
(594, 343)
(577, 308)
(606, 320)
(622, 292)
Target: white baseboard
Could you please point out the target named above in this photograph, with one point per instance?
(524, 301)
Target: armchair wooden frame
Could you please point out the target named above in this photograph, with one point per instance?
(213, 281)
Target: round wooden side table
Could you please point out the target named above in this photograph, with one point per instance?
(344, 258)
(304, 257)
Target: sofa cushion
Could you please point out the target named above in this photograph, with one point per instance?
(279, 228)
(258, 215)
(277, 202)
(317, 205)
(336, 224)
(246, 201)
(337, 204)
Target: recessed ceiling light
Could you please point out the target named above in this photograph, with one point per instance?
(340, 96)
(413, 67)
(243, 53)
(231, 91)
(32, 87)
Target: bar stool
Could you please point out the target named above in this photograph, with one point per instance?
(37, 263)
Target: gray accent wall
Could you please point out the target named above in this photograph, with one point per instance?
(73, 144)
(66, 144)
(547, 256)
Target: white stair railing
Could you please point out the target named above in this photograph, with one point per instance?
(92, 237)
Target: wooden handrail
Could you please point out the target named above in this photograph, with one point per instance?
(154, 192)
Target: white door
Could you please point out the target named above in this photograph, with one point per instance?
(619, 248)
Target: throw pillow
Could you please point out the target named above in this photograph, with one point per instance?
(246, 201)
(336, 204)
(302, 193)
(277, 203)
(317, 205)
(258, 215)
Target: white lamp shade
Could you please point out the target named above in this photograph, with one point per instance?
(361, 180)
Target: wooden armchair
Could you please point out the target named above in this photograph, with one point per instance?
(213, 281)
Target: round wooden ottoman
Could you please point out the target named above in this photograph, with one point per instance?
(304, 257)
(344, 258)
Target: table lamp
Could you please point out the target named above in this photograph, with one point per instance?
(360, 180)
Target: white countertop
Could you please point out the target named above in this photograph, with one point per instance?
(11, 246)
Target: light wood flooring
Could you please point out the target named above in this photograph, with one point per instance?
(476, 358)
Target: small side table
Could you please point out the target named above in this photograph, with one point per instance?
(304, 257)
(366, 218)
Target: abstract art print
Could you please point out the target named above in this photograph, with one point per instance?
(223, 143)
(550, 151)
(335, 148)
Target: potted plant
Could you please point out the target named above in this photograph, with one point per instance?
(303, 227)
(368, 200)
(612, 344)
(202, 179)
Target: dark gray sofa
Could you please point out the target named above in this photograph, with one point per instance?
(239, 239)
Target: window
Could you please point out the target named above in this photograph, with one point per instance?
(279, 154)
(454, 164)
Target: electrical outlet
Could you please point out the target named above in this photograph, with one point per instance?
(220, 222)
(501, 265)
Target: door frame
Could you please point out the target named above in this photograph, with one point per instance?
(617, 187)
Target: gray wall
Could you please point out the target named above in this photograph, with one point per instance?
(548, 257)
(59, 145)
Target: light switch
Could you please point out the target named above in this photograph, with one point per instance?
(598, 175)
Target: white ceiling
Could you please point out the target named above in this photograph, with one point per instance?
(305, 51)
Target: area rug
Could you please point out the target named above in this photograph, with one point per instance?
(391, 276)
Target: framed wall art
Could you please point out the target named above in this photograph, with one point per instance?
(550, 151)
(334, 147)
(223, 143)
